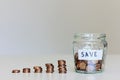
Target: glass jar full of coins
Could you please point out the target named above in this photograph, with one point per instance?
(89, 51)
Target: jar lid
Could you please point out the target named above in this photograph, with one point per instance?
(89, 36)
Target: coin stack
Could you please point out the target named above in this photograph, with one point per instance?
(26, 70)
(49, 68)
(16, 71)
(62, 66)
(37, 69)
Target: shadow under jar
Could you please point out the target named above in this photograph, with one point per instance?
(89, 51)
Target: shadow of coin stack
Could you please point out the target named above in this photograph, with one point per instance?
(37, 69)
(49, 68)
(62, 66)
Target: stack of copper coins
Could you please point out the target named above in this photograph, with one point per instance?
(26, 70)
(16, 71)
(49, 68)
(37, 69)
(62, 66)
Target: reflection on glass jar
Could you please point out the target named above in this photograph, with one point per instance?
(89, 52)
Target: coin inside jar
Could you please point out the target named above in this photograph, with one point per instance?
(81, 65)
(98, 67)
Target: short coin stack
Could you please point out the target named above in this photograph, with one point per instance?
(26, 70)
(37, 69)
(49, 68)
(62, 66)
(16, 71)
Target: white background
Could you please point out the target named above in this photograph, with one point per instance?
(47, 26)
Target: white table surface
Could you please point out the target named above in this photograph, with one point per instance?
(8, 63)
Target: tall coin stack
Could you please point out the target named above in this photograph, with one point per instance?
(37, 69)
(62, 66)
(49, 68)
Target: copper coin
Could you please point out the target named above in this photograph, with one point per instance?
(100, 61)
(50, 70)
(61, 62)
(98, 67)
(62, 69)
(37, 67)
(61, 66)
(76, 56)
(81, 66)
(38, 71)
(47, 71)
(49, 65)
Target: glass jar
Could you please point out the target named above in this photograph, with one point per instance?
(89, 52)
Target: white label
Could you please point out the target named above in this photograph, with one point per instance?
(88, 54)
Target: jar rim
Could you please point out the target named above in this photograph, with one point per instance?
(98, 35)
